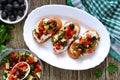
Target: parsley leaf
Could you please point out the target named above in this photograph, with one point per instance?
(5, 34)
(2, 47)
(98, 73)
(112, 68)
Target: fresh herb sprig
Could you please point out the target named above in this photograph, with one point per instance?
(98, 73)
(5, 34)
(111, 68)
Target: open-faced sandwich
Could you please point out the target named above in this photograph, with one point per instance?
(84, 44)
(65, 36)
(46, 28)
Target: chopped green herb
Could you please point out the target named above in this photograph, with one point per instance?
(85, 40)
(98, 73)
(64, 43)
(50, 25)
(2, 47)
(55, 23)
(112, 68)
(5, 34)
(26, 54)
(93, 39)
(5, 59)
(5, 75)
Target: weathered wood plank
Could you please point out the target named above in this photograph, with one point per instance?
(60, 74)
(53, 73)
(90, 73)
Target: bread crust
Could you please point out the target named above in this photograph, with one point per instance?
(71, 54)
(59, 24)
(76, 24)
(90, 50)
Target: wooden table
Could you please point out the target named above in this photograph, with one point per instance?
(53, 73)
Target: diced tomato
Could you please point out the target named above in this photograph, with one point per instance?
(91, 50)
(72, 32)
(21, 58)
(38, 68)
(13, 56)
(30, 59)
(15, 79)
(59, 43)
(58, 27)
(13, 64)
(17, 73)
(86, 43)
(68, 37)
(57, 47)
(51, 31)
(80, 40)
(14, 71)
(88, 36)
(20, 64)
(40, 32)
(41, 24)
(44, 32)
(50, 21)
(10, 77)
(78, 52)
(41, 28)
(23, 68)
(68, 27)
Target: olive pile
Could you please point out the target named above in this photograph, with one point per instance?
(11, 9)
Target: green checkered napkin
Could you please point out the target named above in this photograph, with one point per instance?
(108, 12)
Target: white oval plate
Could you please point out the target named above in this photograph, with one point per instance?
(66, 13)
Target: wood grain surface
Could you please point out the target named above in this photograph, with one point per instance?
(53, 73)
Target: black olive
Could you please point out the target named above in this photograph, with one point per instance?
(93, 39)
(10, 1)
(9, 7)
(4, 15)
(72, 26)
(55, 23)
(0, 1)
(16, 5)
(21, 1)
(23, 7)
(21, 75)
(12, 17)
(9, 13)
(64, 43)
(1, 7)
(20, 13)
(79, 46)
(15, 12)
(3, 1)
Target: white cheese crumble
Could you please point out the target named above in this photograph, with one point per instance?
(43, 37)
(46, 20)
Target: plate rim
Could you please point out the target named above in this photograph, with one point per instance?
(55, 5)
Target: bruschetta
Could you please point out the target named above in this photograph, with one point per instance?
(65, 36)
(46, 28)
(86, 43)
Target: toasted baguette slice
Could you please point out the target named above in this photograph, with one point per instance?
(46, 28)
(65, 36)
(84, 44)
